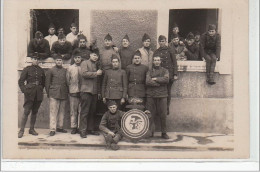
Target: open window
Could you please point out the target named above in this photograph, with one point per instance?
(192, 20)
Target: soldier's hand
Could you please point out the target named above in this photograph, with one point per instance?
(154, 79)
(99, 72)
(122, 101)
(148, 113)
(116, 49)
(99, 97)
(111, 133)
(175, 77)
(203, 59)
(104, 100)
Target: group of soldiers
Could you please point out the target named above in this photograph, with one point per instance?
(117, 76)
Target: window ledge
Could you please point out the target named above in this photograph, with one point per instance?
(196, 66)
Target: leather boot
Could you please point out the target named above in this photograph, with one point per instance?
(33, 132)
(20, 133)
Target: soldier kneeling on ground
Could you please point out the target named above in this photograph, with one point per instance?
(110, 126)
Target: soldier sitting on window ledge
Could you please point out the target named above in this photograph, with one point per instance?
(39, 46)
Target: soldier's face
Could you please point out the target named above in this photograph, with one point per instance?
(82, 43)
(137, 59)
(147, 43)
(107, 43)
(115, 63)
(51, 31)
(175, 30)
(156, 61)
(62, 41)
(190, 42)
(73, 30)
(112, 109)
(176, 41)
(35, 61)
(197, 37)
(125, 43)
(162, 43)
(77, 59)
(59, 62)
(61, 31)
(212, 32)
(93, 57)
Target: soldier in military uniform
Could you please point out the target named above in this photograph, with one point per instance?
(156, 81)
(84, 49)
(114, 85)
(136, 74)
(177, 48)
(110, 125)
(168, 61)
(61, 48)
(210, 51)
(39, 46)
(107, 52)
(57, 91)
(192, 52)
(33, 93)
(126, 52)
(146, 51)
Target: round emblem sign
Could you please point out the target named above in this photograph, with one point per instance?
(135, 124)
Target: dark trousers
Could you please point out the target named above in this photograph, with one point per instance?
(211, 60)
(30, 106)
(110, 139)
(88, 103)
(169, 89)
(157, 107)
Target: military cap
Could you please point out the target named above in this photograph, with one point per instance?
(174, 25)
(76, 53)
(51, 26)
(175, 36)
(146, 37)
(61, 36)
(161, 37)
(114, 57)
(57, 56)
(190, 36)
(108, 37)
(126, 37)
(38, 35)
(95, 51)
(82, 36)
(111, 103)
(73, 25)
(212, 27)
(137, 53)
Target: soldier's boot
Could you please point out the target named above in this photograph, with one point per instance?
(33, 120)
(23, 123)
(116, 139)
(207, 77)
(74, 131)
(109, 140)
(211, 79)
(20, 133)
(165, 136)
(114, 146)
(33, 132)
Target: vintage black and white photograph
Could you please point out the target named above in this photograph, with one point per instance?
(125, 79)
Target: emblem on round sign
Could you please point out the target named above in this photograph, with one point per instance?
(135, 124)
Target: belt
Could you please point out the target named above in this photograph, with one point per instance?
(35, 83)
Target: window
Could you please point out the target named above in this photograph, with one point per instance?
(41, 19)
